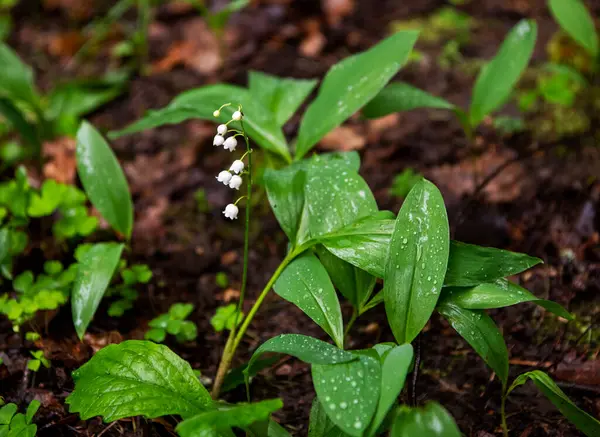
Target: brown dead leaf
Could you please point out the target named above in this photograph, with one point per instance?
(199, 50)
(99, 341)
(312, 45)
(229, 258)
(336, 10)
(230, 294)
(60, 160)
(376, 127)
(343, 139)
(65, 44)
(585, 373)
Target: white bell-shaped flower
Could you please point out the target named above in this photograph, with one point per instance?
(231, 211)
(237, 116)
(218, 140)
(237, 167)
(235, 182)
(222, 129)
(216, 113)
(224, 177)
(230, 144)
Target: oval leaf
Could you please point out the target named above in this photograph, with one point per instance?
(349, 85)
(575, 19)
(432, 421)
(498, 294)
(137, 378)
(417, 261)
(94, 273)
(16, 78)
(349, 391)
(306, 284)
(103, 179)
(480, 331)
(398, 97)
(498, 78)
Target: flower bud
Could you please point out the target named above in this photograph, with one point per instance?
(218, 140)
(230, 144)
(237, 116)
(231, 211)
(235, 182)
(237, 167)
(222, 129)
(216, 113)
(224, 177)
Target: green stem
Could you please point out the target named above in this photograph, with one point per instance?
(350, 323)
(503, 415)
(144, 19)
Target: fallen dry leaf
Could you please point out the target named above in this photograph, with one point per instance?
(60, 160)
(336, 10)
(65, 44)
(343, 139)
(312, 45)
(377, 126)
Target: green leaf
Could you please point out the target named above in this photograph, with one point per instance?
(432, 421)
(498, 294)
(582, 420)
(212, 423)
(46, 202)
(237, 376)
(4, 244)
(137, 378)
(399, 97)
(349, 85)
(575, 19)
(157, 335)
(471, 265)
(285, 190)
(281, 96)
(16, 78)
(32, 408)
(224, 318)
(306, 284)
(395, 365)
(417, 260)
(349, 391)
(498, 78)
(308, 349)
(103, 179)
(480, 331)
(95, 271)
(319, 425)
(15, 117)
(180, 311)
(7, 412)
(200, 103)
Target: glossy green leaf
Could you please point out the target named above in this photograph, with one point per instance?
(201, 102)
(16, 78)
(582, 420)
(498, 294)
(281, 96)
(480, 331)
(319, 424)
(349, 391)
(94, 274)
(308, 349)
(351, 84)
(471, 265)
(305, 283)
(355, 284)
(432, 421)
(103, 179)
(498, 78)
(395, 365)
(7, 412)
(399, 97)
(223, 419)
(137, 378)
(417, 260)
(574, 18)
(15, 117)
(32, 408)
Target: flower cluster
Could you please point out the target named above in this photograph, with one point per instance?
(231, 177)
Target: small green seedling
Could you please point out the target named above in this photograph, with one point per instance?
(576, 21)
(225, 318)
(132, 276)
(173, 323)
(13, 424)
(404, 182)
(37, 361)
(221, 280)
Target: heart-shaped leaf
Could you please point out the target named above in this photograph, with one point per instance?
(137, 378)
(103, 179)
(417, 260)
(432, 421)
(575, 19)
(95, 271)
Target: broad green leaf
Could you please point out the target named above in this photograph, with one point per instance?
(137, 378)
(32, 408)
(281, 96)
(285, 190)
(202, 102)
(574, 18)
(95, 271)
(237, 376)
(223, 419)
(582, 420)
(103, 179)
(399, 96)
(319, 425)
(305, 283)
(498, 78)
(395, 365)
(498, 294)
(480, 331)
(432, 421)
(16, 78)
(7, 412)
(308, 349)
(471, 265)
(349, 391)
(417, 260)
(15, 117)
(355, 284)
(270, 429)
(82, 97)
(349, 85)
